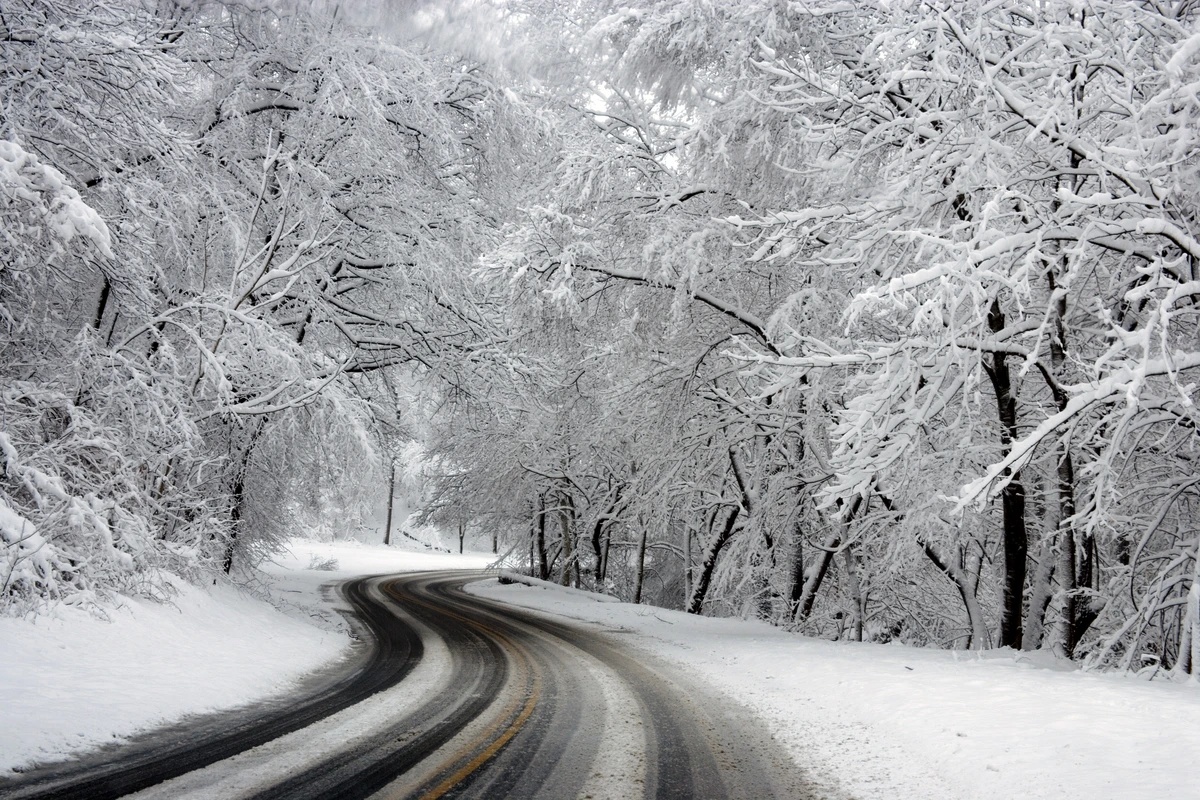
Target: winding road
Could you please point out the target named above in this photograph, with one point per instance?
(452, 695)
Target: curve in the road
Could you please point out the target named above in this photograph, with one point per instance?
(393, 650)
(532, 708)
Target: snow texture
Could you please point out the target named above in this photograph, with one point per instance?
(73, 681)
(24, 177)
(885, 721)
(867, 721)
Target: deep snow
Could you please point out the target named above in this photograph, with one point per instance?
(71, 681)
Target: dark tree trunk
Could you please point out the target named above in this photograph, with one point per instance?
(604, 553)
(597, 553)
(101, 304)
(1012, 497)
(387, 533)
(543, 567)
(711, 553)
(639, 576)
(238, 492)
(687, 565)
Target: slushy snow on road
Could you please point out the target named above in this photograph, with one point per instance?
(865, 720)
(74, 681)
(879, 722)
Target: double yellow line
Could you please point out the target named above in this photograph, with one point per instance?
(506, 726)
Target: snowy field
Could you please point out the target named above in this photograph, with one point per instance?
(72, 681)
(884, 722)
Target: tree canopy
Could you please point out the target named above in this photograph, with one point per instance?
(874, 320)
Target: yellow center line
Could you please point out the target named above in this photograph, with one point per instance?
(475, 763)
(526, 666)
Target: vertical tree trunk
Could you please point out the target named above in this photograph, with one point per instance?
(1071, 572)
(387, 531)
(604, 556)
(462, 534)
(543, 567)
(796, 579)
(1189, 633)
(687, 565)
(1012, 497)
(641, 566)
(101, 304)
(856, 595)
(1042, 590)
(238, 492)
(570, 557)
(597, 539)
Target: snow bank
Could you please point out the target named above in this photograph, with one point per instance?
(887, 721)
(72, 681)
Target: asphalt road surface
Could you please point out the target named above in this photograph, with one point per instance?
(454, 696)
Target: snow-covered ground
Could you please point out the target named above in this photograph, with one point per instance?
(868, 721)
(882, 721)
(72, 681)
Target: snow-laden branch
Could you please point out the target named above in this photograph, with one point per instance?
(1123, 382)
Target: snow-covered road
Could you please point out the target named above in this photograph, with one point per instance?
(493, 702)
(861, 720)
(878, 722)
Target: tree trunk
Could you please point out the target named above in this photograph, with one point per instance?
(812, 583)
(1072, 572)
(532, 536)
(238, 492)
(599, 542)
(101, 304)
(1039, 599)
(979, 635)
(856, 595)
(796, 579)
(687, 565)
(709, 562)
(570, 557)
(462, 534)
(597, 551)
(641, 567)
(1012, 497)
(1189, 631)
(387, 531)
(543, 567)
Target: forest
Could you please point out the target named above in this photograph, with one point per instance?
(874, 320)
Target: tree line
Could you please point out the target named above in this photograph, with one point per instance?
(876, 321)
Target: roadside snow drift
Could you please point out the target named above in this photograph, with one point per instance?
(73, 681)
(883, 722)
